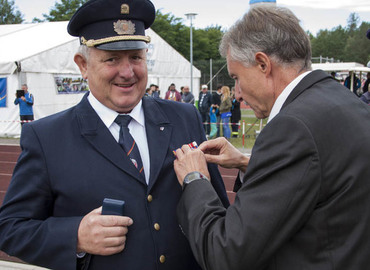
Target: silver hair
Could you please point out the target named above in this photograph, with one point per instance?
(84, 51)
(272, 30)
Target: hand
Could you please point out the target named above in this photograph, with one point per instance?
(223, 153)
(102, 234)
(189, 160)
(23, 98)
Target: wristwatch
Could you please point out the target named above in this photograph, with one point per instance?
(190, 177)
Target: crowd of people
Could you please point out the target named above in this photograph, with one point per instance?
(218, 110)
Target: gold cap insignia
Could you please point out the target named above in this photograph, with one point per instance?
(123, 27)
(125, 9)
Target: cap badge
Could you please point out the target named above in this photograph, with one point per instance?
(125, 9)
(123, 27)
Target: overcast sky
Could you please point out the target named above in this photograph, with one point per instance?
(314, 14)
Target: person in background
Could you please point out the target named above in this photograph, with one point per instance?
(114, 144)
(173, 94)
(334, 75)
(25, 103)
(235, 114)
(204, 103)
(303, 202)
(225, 111)
(366, 84)
(216, 102)
(155, 91)
(366, 97)
(187, 97)
(213, 120)
(356, 83)
(148, 92)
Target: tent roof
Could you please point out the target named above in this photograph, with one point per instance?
(348, 66)
(47, 47)
(21, 41)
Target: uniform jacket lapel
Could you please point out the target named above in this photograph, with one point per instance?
(158, 132)
(100, 138)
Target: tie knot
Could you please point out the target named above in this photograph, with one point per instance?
(123, 120)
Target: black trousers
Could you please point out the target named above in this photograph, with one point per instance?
(205, 120)
(26, 117)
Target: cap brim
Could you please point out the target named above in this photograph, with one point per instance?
(123, 45)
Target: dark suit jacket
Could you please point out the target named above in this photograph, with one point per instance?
(305, 200)
(70, 162)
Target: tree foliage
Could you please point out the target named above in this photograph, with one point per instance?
(347, 44)
(63, 11)
(9, 14)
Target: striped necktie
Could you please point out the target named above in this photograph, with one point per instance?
(128, 143)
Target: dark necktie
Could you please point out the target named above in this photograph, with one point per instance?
(128, 143)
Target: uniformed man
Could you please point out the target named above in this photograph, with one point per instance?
(73, 160)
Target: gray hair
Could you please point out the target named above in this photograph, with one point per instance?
(272, 30)
(84, 51)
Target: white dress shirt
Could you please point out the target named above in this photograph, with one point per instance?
(284, 95)
(136, 127)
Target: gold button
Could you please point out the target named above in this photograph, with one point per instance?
(150, 198)
(162, 258)
(156, 226)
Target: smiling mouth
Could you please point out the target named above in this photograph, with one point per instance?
(124, 85)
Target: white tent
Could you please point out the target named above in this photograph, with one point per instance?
(343, 69)
(41, 54)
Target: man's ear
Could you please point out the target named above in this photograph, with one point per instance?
(81, 62)
(263, 62)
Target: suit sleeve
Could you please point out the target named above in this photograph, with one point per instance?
(28, 229)
(279, 192)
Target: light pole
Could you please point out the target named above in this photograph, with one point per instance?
(191, 16)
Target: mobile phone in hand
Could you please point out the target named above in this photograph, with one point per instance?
(113, 207)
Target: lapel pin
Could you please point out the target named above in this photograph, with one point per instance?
(161, 128)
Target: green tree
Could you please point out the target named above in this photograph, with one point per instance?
(9, 14)
(172, 30)
(357, 48)
(205, 44)
(352, 23)
(63, 11)
(347, 44)
(330, 43)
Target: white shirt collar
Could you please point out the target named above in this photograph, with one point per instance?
(284, 95)
(108, 115)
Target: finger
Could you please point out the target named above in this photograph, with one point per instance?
(97, 210)
(212, 158)
(116, 231)
(186, 148)
(179, 153)
(112, 220)
(212, 145)
(112, 246)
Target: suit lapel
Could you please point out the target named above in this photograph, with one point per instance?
(100, 138)
(306, 83)
(158, 132)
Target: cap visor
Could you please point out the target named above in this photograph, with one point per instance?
(124, 45)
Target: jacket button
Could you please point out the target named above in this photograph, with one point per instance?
(157, 227)
(150, 198)
(162, 258)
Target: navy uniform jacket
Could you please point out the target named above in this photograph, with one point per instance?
(305, 199)
(70, 162)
